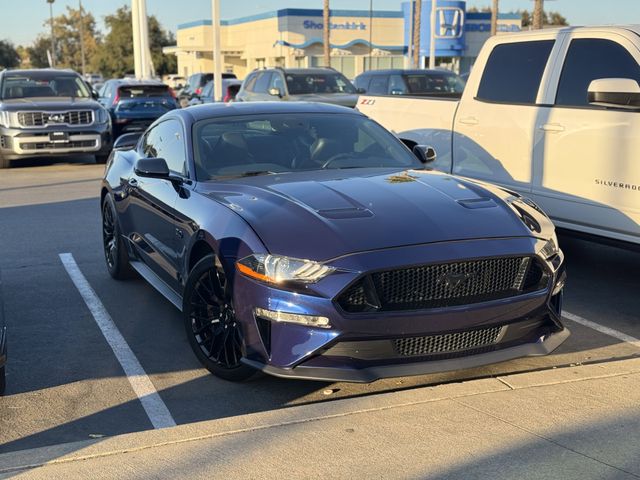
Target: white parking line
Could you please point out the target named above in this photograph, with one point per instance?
(156, 410)
(602, 329)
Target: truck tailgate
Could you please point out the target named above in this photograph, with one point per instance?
(424, 121)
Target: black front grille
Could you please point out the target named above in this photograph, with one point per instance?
(41, 119)
(58, 146)
(443, 285)
(447, 342)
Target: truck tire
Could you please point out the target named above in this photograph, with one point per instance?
(3, 381)
(4, 163)
(101, 159)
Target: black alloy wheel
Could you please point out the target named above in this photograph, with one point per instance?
(115, 253)
(214, 332)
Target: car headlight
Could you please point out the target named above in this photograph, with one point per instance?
(280, 269)
(102, 116)
(550, 248)
(5, 119)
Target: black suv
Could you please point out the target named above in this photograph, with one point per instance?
(435, 82)
(50, 112)
(324, 85)
(195, 84)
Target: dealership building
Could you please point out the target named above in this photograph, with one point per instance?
(360, 39)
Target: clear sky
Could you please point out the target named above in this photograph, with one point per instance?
(22, 20)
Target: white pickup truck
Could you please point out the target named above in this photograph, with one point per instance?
(551, 114)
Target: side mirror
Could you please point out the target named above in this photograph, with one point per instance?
(425, 153)
(151, 168)
(615, 92)
(275, 91)
(128, 140)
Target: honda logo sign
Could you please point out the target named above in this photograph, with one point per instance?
(450, 22)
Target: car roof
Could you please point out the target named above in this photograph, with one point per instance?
(408, 71)
(213, 110)
(130, 82)
(36, 71)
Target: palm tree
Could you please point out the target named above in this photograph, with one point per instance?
(416, 33)
(538, 15)
(494, 18)
(325, 34)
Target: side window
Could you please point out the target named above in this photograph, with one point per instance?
(262, 83)
(251, 82)
(589, 59)
(396, 85)
(379, 85)
(362, 82)
(277, 82)
(166, 140)
(513, 72)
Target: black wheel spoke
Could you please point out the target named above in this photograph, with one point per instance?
(213, 322)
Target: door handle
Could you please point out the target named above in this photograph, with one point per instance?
(469, 121)
(133, 182)
(552, 127)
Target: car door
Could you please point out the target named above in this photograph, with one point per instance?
(587, 171)
(495, 123)
(152, 202)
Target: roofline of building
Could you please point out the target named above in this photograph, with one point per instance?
(296, 12)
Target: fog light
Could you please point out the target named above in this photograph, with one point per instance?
(309, 320)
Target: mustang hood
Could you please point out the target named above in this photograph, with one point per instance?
(323, 215)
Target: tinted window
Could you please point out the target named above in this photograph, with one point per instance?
(513, 72)
(277, 82)
(362, 81)
(166, 140)
(281, 143)
(589, 59)
(207, 91)
(262, 84)
(305, 83)
(379, 85)
(434, 84)
(43, 83)
(134, 91)
(250, 82)
(396, 85)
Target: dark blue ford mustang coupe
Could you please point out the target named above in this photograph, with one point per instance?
(306, 241)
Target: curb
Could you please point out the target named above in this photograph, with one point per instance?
(136, 441)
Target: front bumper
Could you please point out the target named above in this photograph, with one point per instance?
(363, 347)
(18, 143)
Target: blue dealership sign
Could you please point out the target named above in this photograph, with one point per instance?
(449, 28)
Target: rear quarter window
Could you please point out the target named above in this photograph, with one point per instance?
(513, 72)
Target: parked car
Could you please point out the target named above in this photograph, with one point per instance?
(299, 84)
(134, 105)
(93, 78)
(410, 82)
(541, 117)
(3, 345)
(195, 84)
(174, 81)
(50, 112)
(306, 241)
(230, 88)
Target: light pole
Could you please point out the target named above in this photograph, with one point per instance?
(53, 37)
(217, 51)
(432, 41)
(82, 37)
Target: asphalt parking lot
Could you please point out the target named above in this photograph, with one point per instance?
(65, 383)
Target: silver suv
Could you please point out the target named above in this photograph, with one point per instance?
(50, 112)
(324, 85)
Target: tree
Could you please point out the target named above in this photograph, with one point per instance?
(9, 57)
(326, 33)
(554, 18)
(38, 51)
(114, 57)
(67, 32)
(526, 18)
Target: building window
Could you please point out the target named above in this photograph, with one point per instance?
(346, 64)
(260, 63)
(385, 62)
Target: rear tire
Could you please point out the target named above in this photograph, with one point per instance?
(214, 333)
(4, 162)
(115, 249)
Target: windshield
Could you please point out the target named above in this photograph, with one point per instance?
(305, 83)
(445, 83)
(279, 143)
(43, 84)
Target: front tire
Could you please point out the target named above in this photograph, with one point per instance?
(115, 250)
(101, 159)
(4, 162)
(214, 333)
